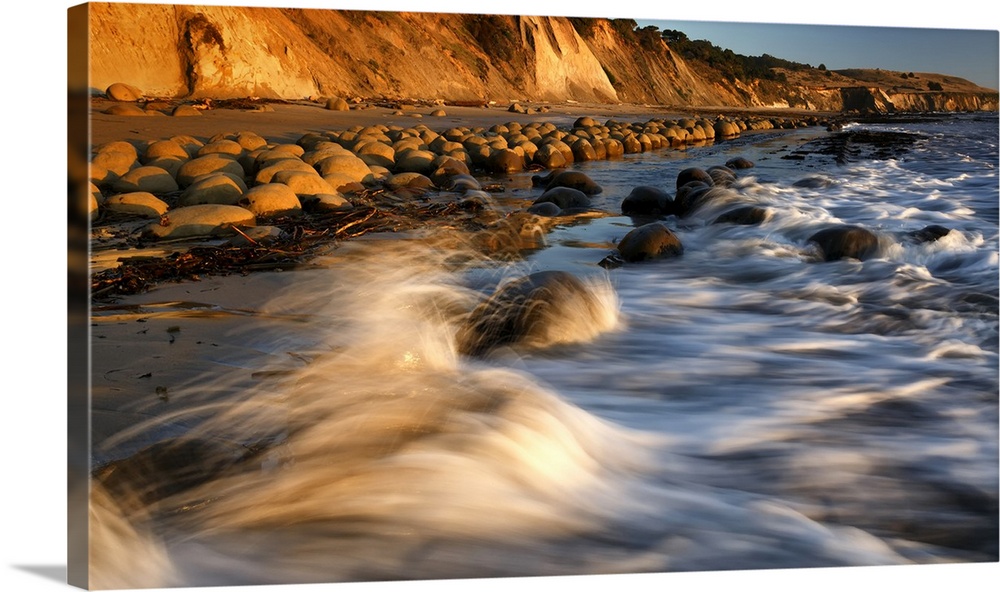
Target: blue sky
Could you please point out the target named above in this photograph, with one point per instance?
(967, 53)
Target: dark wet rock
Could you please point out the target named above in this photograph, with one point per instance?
(929, 234)
(565, 198)
(572, 179)
(546, 209)
(721, 176)
(814, 183)
(693, 174)
(853, 145)
(646, 200)
(701, 197)
(648, 242)
(845, 242)
(687, 195)
(739, 163)
(745, 215)
(528, 311)
(461, 183)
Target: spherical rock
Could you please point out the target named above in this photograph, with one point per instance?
(126, 110)
(267, 173)
(571, 179)
(845, 242)
(115, 162)
(549, 157)
(687, 195)
(745, 215)
(203, 165)
(150, 179)
(221, 147)
(739, 163)
(409, 181)
(929, 234)
(505, 161)
(337, 104)
(438, 113)
(721, 176)
(271, 200)
(377, 153)
(327, 202)
(348, 165)
(546, 209)
(139, 203)
(415, 161)
(538, 310)
(214, 188)
(565, 198)
(645, 200)
(185, 111)
(120, 91)
(648, 242)
(200, 220)
(164, 149)
(583, 151)
(303, 183)
(693, 174)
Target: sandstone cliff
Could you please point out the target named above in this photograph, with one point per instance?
(227, 52)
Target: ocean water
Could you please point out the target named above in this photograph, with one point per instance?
(743, 406)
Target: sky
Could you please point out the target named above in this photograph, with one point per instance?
(966, 53)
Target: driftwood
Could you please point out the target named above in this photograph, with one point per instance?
(302, 238)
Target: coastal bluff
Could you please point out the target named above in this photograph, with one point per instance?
(218, 52)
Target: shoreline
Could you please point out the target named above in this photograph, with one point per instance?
(290, 118)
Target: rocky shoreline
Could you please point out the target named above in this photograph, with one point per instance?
(173, 206)
(157, 203)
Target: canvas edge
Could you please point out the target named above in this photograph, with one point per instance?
(78, 296)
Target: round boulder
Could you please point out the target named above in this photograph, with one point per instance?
(538, 310)
(505, 161)
(185, 111)
(648, 242)
(565, 197)
(348, 165)
(739, 163)
(744, 215)
(271, 200)
(572, 179)
(845, 242)
(200, 220)
(693, 174)
(146, 178)
(216, 188)
(204, 165)
(645, 200)
(303, 183)
(337, 104)
(138, 203)
(125, 93)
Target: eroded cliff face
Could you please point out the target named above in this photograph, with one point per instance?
(227, 52)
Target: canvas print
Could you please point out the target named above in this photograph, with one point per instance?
(366, 296)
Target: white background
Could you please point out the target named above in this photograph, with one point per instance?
(33, 270)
